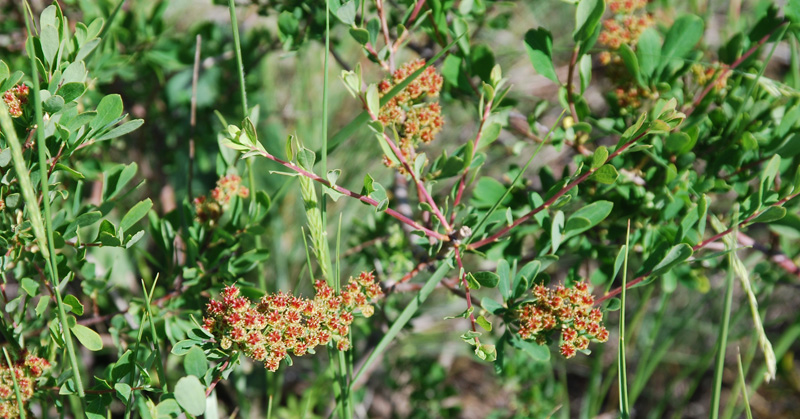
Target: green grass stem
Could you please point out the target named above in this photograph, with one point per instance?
(624, 407)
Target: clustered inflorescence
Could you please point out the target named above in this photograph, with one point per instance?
(26, 370)
(209, 210)
(568, 309)
(14, 98)
(624, 28)
(414, 119)
(704, 75)
(280, 323)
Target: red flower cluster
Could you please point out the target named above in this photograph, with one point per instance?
(227, 187)
(26, 371)
(14, 98)
(626, 6)
(413, 118)
(567, 309)
(280, 322)
(704, 75)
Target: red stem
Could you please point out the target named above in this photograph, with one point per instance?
(362, 198)
(463, 182)
(420, 187)
(553, 199)
(724, 72)
(695, 248)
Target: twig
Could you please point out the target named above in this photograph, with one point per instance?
(386, 38)
(570, 76)
(697, 247)
(553, 199)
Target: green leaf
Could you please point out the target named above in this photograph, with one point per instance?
(74, 304)
(121, 130)
(504, 272)
(769, 215)
(606, 174)
(71, 91)
(87, 337)
(360, 35)
(108, 110)
(600, 156)
(614, 304)
(30, 286)
(53, 104)
(492, 306)
(373, 100)
(487, 279)
(587, 17)
(195, 363)
(489, 134)
(676, 142)
(682, 37)
(135, 214)
(538, 352)
(631, 63)
(648, 52)
(123, 392)
(539, 44)
(484, 323)
(676, 255)
(587, 217)
(50, 43)
(190, 394)
(347, 13)
(556, 234)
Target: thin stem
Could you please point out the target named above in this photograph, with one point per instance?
(52, 264)
(420, 186)
(553, 199)
(466, 292)
(243, 91)
(362, 198)
(623, 370)
(570, 75)
(696, 247)
(699, 98)
(386, 38)
(722, 340)
(487, 110)
(17, 393)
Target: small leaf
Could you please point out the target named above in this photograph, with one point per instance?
(492, 306)
(74, 304)
(135, 214)
(769, 215)
(373, 100)
(123, 392)
(484, 323)
(108, 110)
(556, 230)
(190, 394)
(347, 13)
(195, 363)
(30, 286)
(614, 304)
(87, 337)
(587, 17)
(487, 279)
(676, 255)
(539, 44)
(360, 35)
(600, 156)
(606, 174)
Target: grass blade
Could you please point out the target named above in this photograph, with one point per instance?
(744, 387)
(624, 408)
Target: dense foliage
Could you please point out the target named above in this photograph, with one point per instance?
(534, 221)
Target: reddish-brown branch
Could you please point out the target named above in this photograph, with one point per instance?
(420, 186)
(699, 98)
(696, 247)
(347, 192)
(214, 383)
(487, 110)
(553, 199)
(386, 38)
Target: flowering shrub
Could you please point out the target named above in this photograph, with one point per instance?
(280, 323)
